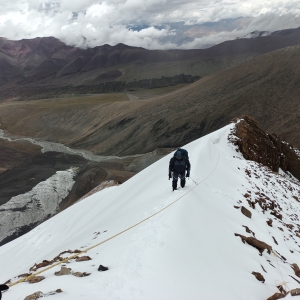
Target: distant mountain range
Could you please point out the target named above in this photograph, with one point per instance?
(47, 67)
(266, 87)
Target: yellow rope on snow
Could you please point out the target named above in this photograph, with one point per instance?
(277, 282)
(114, 236)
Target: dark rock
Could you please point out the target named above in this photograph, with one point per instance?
(36, 279)
(83, 258)
(255, 144)
(248, 230)
(261, 246)
(251, 203)
(276, 296)
(263, 268)
(266, 149)
(296, 269)
(102, 268)
(246, 212)
(24, 275)
(35, 296)
(295, 292)
(258, 276)
(276, 214)
(289, 160)
(281, 289)
(81, 274)
(296, 198)
(295, 279)
(63, 271)
(44, 263)
(275, 241)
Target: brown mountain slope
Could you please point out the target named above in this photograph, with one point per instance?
(44, 67)
(267, 87)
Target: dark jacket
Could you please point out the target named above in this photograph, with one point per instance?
(179, 165)
(3, 287)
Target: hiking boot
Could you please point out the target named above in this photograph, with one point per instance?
(174, 185)
(182, 183)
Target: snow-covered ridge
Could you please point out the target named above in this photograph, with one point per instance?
(24, 211)
(255, 34)
(188, 251)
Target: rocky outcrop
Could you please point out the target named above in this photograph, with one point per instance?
(259, 245)
(268, 149)
(36, 279)
(57, 258)
(82, 258)
(295, 292)
(255, 144)
(102, 268)
(289, 157)
(296, 269)
(34, 296)
(258, 276)
(63, 271)
(246, 212)
(40, 294)
(276, 296)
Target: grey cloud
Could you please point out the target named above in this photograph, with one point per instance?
(90, 23)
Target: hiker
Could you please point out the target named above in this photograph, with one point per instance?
(179, 163)
(3, 287)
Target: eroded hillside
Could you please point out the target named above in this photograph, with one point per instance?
(266, 87)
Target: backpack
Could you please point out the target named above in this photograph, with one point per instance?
(184, 153)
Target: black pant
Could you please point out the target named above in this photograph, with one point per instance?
(175, 178)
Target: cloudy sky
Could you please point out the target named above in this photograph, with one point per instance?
(152, 24)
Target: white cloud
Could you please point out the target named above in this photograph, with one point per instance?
(268, 22)
(101, 22)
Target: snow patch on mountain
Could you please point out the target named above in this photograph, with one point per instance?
(255, 34)
(29, 209)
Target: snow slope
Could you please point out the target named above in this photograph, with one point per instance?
(187, 251)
